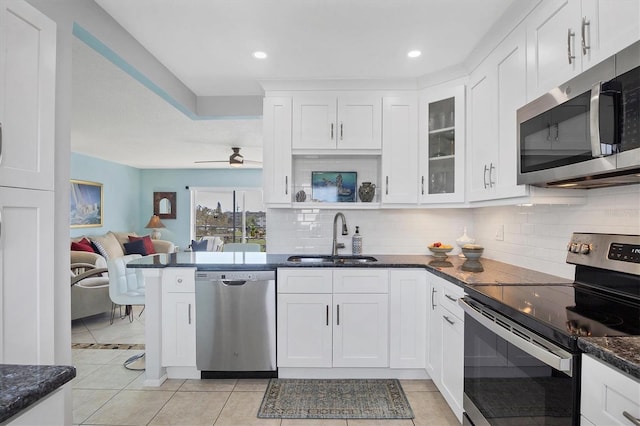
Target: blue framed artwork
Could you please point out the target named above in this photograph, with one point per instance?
(334, 187)
(86, 204)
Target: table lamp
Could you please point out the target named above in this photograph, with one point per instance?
(155, 223)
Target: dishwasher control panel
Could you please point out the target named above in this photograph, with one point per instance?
(235, 275)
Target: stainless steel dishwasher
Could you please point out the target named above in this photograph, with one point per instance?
(236, 323)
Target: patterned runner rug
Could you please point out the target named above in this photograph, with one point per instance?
(335, 399)
(107, 346)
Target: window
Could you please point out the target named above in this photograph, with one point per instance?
(213, 214)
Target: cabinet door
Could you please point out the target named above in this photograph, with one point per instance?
(359, 122)
(553, 46)
(482, 130)
(276, 171)
(442, 112)
(407, 318)
(433, 353)
(400, 150)
(611, 27)
(304, 330)
(27, 96)
(361, 332)
(178, 330)
(608, 393)
(314, 122)
(452, 361)
(26, 277)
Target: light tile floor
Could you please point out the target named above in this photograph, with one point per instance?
(106, 393)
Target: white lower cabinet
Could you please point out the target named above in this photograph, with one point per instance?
(608, 396)
(332, 317)
(407, 318)
(445, 348)
(178, 317)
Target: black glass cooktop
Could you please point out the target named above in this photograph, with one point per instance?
(563, 312)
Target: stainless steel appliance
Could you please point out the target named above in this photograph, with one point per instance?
(586, 132)
(236, 324)
(522, 361)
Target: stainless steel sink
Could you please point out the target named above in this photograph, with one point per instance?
(331, 259)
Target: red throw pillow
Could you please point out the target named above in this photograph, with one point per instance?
(82, 247)
(148, 244)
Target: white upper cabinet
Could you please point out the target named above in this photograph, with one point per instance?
(497, 89)
(345, 122)
(441, 146)
(566, 37)
(27, 96)
(400, 150)
(277, 150)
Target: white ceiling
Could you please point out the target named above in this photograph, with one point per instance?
(208, 44)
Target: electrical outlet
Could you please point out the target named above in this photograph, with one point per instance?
(500, 233)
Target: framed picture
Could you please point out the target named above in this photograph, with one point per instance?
(334, 187)
(164, 205)
(86, 204)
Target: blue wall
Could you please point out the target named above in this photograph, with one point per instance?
(128, 194)
(121, 193)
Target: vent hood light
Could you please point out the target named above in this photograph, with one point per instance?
(259, 55)
(414, 53)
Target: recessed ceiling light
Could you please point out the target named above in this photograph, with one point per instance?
(414, 53)
(259, 55)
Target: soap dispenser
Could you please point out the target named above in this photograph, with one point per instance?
(356, 242)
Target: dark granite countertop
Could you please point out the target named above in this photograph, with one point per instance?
(451, 269)
(24, 385)
(622, 353)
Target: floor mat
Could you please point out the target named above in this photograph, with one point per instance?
(335, 399)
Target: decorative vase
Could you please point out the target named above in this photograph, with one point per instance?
(367, 191)
(301, 196)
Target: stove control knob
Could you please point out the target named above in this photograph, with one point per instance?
(575, 248)
(585, 248)
(583, 330)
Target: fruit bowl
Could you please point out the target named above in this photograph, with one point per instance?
(440, 252)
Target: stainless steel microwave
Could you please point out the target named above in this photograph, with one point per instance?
(586, 132)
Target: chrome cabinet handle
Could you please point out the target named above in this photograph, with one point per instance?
(433, 292)
(631, 418)
(585, 24)
(331, 131)
(0, 141)
(341, 130)
(386, 191)
(448, 320)
(569, 55)
(422, 185)
(338, 315)
(327, 314)
(484, 176)
(286, 185)
(189, 313)
(453, 299)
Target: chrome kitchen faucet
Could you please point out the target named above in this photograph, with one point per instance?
(345, 231)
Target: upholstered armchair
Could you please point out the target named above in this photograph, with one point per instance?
(89, 290)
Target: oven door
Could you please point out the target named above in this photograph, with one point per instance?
(513, 376)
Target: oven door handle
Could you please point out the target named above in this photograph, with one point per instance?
(550, 354)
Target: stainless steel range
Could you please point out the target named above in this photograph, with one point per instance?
(522, 362)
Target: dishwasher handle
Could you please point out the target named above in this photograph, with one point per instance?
(233, 282)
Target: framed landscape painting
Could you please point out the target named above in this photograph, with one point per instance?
(86, 204)
(333, 187)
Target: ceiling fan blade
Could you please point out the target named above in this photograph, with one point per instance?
(212, 161)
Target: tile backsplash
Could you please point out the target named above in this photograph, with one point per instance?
(534, 237)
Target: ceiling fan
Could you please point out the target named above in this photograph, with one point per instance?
(235, 160)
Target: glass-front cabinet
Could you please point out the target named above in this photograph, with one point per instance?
(442, 145)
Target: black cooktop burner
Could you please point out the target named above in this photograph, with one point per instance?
(562, 312)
